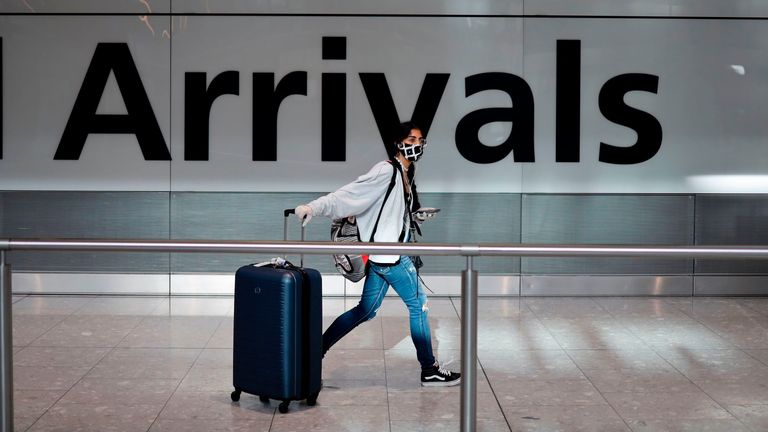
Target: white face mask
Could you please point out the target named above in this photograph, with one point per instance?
(412, 152)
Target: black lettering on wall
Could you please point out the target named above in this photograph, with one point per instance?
(334, 117)
(568, 101)
(520, 138)
(648, 128)
(385, 112)
(334, 103)
(198, 101)
(140, 120)
(266, 104)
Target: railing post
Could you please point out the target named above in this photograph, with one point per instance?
(6, 346)
(469, 348)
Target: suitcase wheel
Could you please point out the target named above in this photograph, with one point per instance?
(264, 399)
(235, 395)
(283, 408)
(312, 399)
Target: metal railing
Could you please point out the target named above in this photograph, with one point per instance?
(468, 282)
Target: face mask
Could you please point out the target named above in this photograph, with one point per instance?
(411, 152)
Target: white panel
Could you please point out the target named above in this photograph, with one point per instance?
(735, 285)
(479, 7)
(716, 8)
(710, 104)
(399, 47)
(89, 283)
(224, 284)
(573, 285)
(45, 60)
(90, 6)
(596, 7)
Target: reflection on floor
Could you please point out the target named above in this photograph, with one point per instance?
(545, 364)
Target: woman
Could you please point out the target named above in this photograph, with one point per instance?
(383, 217)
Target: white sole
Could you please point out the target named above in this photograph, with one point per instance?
(441, 383)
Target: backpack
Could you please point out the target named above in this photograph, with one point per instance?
(345, 230)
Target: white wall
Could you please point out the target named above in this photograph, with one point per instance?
(712, 84)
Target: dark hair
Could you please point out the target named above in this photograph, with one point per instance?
(401, 132)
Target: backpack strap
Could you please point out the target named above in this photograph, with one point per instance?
(386, 196)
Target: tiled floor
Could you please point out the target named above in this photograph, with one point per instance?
(545, 364)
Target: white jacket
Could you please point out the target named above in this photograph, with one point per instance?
(363, 198)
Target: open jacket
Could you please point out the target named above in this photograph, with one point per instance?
(363, 198)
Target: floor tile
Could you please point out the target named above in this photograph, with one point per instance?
(581, 333)
(202, 379)
(531, 364)
(214, 358)
(95, 391)
(27, 328)
(97, 418)
(332, 419)
(445, 426)
(120, 306)
(760, 354)
(50, 305)
(742, 332)
(148, 363)
(172, 332)
(554, 307)
(194, 306)
(512, 334)
(525, 392)
(59, 356)
(626, 307)
(716, 307)
(223, 336)
(342, 364)
(21, 424)
(353, 392)
(439, 406)
(206, 425)
(661, 406)
(641, 358)
(570, 364)
(589, 418)
(688, 425)
(34, 403)
(501, 308)
(753, 416)
(729, 392)
(88, 331)
(640, 380)
(215, 405)
(47, 377)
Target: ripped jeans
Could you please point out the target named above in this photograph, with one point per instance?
(403, 278)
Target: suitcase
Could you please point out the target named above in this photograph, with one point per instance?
(277, 347)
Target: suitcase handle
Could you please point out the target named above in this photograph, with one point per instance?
(286, 213)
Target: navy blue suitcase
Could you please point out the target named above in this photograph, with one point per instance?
(277, 349)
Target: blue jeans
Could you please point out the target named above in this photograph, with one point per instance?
(404, 279)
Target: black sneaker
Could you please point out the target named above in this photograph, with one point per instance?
(439, 377)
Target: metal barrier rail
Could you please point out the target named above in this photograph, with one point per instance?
(468, 282)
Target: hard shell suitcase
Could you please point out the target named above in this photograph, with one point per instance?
(277, 347)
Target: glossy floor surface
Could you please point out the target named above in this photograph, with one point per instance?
(545, 364)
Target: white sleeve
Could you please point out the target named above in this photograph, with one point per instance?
(356, 197)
